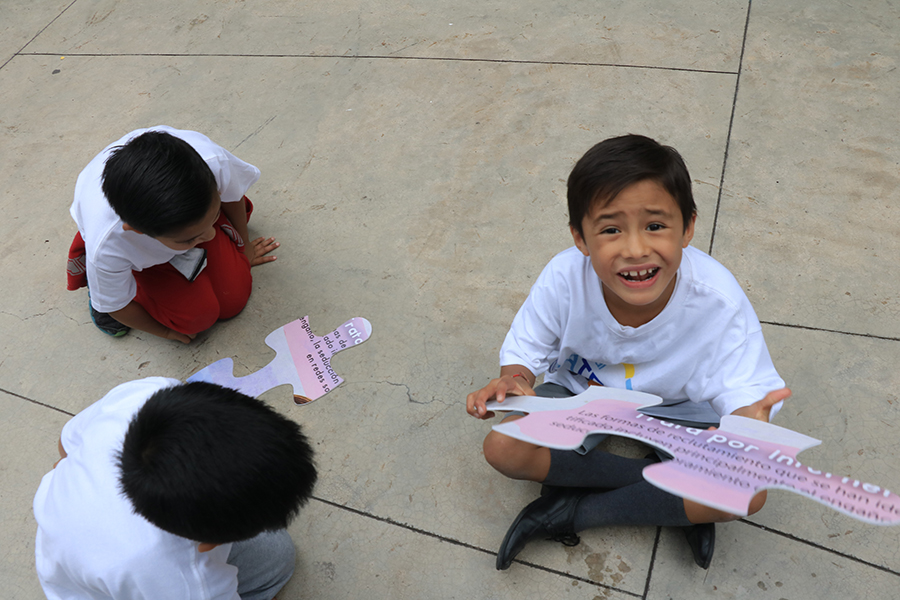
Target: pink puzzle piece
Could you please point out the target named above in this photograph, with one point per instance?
(302, 359)
(723, 469)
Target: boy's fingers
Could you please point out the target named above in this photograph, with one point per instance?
(261, 260)
(470, 403)
(502, 390)
(474, 405)
(776, 396)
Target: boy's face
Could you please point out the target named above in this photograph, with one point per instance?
(635, 244)
(198, 233)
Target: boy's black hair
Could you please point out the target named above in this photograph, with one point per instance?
(158, 184)
(614, 164)
(213, 465)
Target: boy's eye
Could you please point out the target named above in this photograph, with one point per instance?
(655, 227)
(609, 230)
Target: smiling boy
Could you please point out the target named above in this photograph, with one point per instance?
(631, 306)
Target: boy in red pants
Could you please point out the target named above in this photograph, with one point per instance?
(162, 220)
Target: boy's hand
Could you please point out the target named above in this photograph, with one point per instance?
(181, 337)
(498, 389)
(760, 410)
(257, 249)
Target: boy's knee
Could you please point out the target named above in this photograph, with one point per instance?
(233, 300)
(757, 503)
(194, 324)
(497, 449)
(516, 459)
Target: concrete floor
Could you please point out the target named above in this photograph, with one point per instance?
(414, 156)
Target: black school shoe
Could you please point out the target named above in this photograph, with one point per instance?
(552, 516)
(702, 540)
(106, 323)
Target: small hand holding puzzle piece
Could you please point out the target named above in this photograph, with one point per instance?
(722, 468)
(302, 359)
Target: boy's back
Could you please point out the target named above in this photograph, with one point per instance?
(172, 491)
(89, 537)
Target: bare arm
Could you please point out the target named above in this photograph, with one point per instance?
(257, 249)
(760, 410)
(135, 316)
(514, 380)
(62, 452)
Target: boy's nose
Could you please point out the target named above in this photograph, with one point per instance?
(208, 236)
(636, 246)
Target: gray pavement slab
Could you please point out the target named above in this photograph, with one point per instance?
(28, 434)
(704, 35)
(433, 174)
(753, 563)
(423, 188)
(366, 558)
(22, 21)
(813, 163)
(855, 415)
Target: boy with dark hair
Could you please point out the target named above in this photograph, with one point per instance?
(162, 221)
(631, 306)
(171, 490)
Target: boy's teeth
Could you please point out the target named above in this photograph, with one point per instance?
(642, 274)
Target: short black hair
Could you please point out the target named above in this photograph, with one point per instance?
(213, 465)
(614, 164)
(158, 184)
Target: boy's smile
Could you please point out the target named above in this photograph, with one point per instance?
(635, 243)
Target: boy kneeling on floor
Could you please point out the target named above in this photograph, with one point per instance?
(162, 239)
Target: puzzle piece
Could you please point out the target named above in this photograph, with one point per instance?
(723, 468)
(302, 359)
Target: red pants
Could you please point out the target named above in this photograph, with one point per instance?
(220, 291)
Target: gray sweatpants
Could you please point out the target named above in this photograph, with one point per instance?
(265, 563)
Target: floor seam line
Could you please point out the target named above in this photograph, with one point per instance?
(652, 563)
(822, 329)
(42, 30)
(819, 547)
(20, 396)
(737, 87)
(380, 57)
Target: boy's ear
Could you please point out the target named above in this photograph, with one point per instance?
(579, 241)
(689, 231)
(128, 227)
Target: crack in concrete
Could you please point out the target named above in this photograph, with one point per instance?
(41, 314)
(409, 394)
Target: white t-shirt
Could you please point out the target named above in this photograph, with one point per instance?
(90, 544)
(113, 253)
(705, 346)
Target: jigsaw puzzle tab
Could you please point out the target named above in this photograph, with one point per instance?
(302, 359)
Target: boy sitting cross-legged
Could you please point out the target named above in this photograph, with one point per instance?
(162, 226)
(172, 491)
(633, 306)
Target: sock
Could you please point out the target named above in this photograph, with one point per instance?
(637, 504)
(596, 469)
